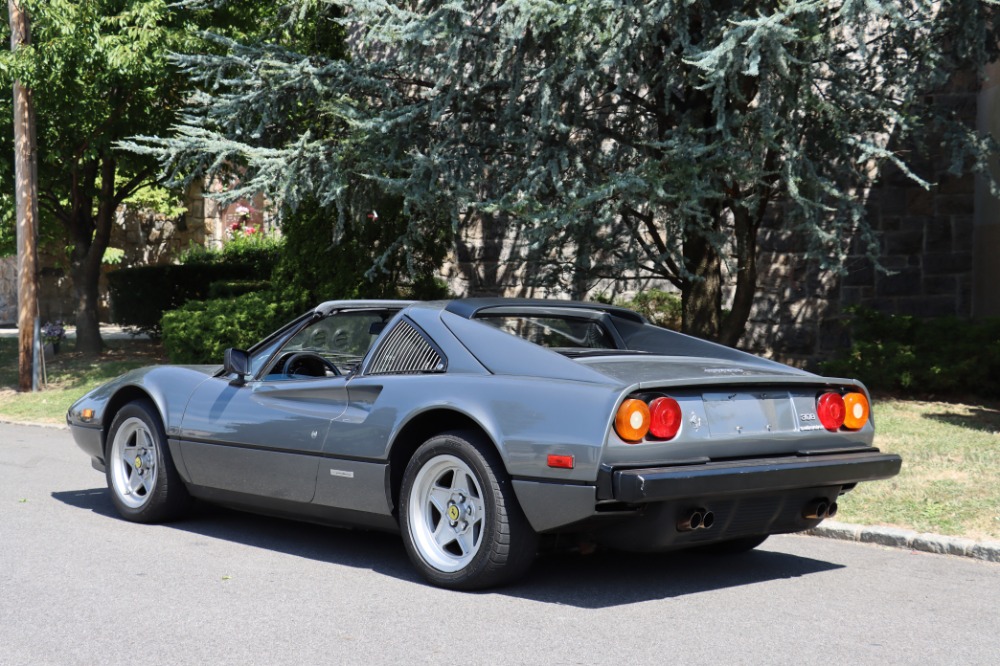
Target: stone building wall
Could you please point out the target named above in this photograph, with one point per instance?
(929, 241)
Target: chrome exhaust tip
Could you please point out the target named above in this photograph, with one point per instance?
(692, 520)
(817, 509)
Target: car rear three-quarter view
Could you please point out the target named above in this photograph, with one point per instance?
(475, 427)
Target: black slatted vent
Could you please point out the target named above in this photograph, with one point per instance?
(406, 351)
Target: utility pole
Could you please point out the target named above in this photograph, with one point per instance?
(26, 189)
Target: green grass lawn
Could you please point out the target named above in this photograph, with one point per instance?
(70, 375)
(950, 483)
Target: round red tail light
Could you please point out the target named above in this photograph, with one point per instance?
(664, 418)
(831, 411)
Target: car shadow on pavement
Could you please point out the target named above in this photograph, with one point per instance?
(608, 578)
(97, 500)
(363, 549)
(600, 580)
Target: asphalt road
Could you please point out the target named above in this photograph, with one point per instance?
(80, 586)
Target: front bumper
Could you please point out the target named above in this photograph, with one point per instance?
(89, 438)
(723, 479)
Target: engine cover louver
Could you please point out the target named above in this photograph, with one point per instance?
(406, 351)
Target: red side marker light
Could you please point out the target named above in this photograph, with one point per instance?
(562, 462)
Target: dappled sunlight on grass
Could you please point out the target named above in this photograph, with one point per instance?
(69, 374)
(950, 482)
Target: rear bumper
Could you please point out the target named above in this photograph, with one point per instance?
(722, 479)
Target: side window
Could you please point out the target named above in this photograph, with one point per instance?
(406, 350)
(328, 347)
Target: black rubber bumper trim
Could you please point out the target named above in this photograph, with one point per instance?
(663, 484)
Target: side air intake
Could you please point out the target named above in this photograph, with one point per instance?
(406, 351)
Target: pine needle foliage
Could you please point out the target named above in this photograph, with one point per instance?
(653, 136)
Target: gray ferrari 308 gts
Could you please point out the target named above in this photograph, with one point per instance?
(473, 427)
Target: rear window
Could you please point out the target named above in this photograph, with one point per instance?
(552, 331)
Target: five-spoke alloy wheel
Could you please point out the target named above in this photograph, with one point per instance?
(145, 486)
(461, 523)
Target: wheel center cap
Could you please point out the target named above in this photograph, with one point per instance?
(138, 462)
(453, 513)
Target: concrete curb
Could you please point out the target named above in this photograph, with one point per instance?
(34, 424)
(988, 551)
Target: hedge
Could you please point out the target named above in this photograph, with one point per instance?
(200, 331)
(929, 357)
(140, 295)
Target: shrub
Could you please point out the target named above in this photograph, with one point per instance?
(662, 308)
(368, 259)
(256, 252)
(140, 295)
(941, 357)
(200, 331)
(231, 288)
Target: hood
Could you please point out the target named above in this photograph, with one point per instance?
(650, 371)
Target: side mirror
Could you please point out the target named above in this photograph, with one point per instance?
(236, 361)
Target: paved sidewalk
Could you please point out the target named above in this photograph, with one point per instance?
(108, 332)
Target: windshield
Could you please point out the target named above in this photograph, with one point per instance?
(339, 340)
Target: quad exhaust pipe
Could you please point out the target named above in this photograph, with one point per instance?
(819, 509)
(703, 519)
(695, 519)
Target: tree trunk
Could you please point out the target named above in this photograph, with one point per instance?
(701, 294)
(88, 327)
(480, 258)
(88, 255)
(26, 195)
(746, 277)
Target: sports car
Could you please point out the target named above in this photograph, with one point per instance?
(476, 428)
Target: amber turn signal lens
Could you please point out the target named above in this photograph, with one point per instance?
(830, 411)
(664, 418)
(856, 411)
(632, 420)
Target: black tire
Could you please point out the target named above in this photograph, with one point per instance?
(145, 486)
(734, 546)
(461, 523)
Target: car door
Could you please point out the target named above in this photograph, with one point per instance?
(265, 437)
(354, 472)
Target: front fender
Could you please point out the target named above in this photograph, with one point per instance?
(168, 387)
